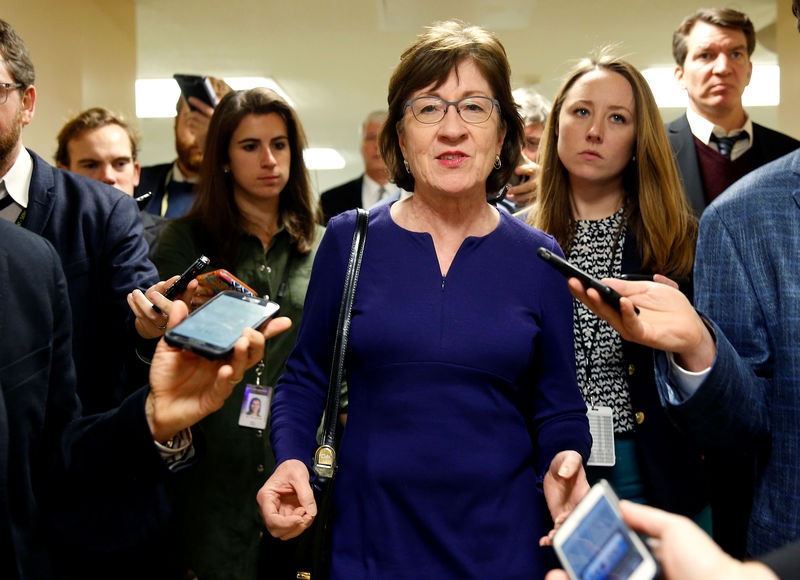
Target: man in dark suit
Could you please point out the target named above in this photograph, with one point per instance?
(715, 143)
(172, 184)
(101, 145)
(368, 189)
(95, 229)
(56, 463)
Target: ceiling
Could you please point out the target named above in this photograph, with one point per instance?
(334, 57)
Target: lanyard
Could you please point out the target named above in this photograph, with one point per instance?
(592, 390)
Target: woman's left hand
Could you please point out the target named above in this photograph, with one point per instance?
(564, 486)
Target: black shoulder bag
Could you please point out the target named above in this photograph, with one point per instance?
(314, 545)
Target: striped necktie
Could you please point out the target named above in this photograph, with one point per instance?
(725, 144)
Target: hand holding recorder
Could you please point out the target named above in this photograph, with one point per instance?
(667, 321)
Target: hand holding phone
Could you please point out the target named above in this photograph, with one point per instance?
(179, 286)
(594, 542)
(196, 86)
(608, 294)
(212, 329)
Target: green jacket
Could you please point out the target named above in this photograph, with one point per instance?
(215, 500)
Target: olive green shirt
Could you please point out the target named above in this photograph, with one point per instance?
(216, 499)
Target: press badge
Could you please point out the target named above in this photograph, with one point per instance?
(601, 426)
(255, 406)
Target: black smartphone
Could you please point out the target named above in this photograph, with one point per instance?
(609, 295)
(212, 329)
(196, 86)
(594, 542)
(179, 286)
(637, 277)
(683, 282)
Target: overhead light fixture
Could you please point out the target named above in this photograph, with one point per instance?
(764, 89)
(157, 97)
(322, 158)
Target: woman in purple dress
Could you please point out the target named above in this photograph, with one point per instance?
(465, 422)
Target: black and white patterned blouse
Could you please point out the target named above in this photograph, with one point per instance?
(598, 347)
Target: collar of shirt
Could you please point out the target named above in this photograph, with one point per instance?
(369, 191)
(177, 174)
(17, 180)
(702, 128)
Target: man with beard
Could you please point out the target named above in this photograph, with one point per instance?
(95, 229)
(172, 183)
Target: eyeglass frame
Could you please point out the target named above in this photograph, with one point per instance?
(8, 87)
(495, 104)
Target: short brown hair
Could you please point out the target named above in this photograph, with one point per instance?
(16, 56)
(221, 88)
(89, 120)
(722, 17)
(436, 53)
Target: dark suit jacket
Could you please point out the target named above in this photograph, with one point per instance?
(48, 456)
(152, 179)
(341, 198)
(97, 233)
(768, 145)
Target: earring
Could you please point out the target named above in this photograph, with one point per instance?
(408, 169)
(633, 158)
(497, 163)
(226, 170)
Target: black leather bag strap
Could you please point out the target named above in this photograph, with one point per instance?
(325, 457)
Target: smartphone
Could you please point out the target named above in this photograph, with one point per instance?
(196, 86)
(179, 286)
(212, 329)
(594, 543)
(222, 280)
(683, 282)
(609, 295)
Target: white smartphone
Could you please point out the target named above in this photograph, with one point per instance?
(212, 329)
(594, 543)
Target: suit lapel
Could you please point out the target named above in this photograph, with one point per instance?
(41, 195)
(682, 142)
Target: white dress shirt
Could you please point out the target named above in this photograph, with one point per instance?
(703, 128)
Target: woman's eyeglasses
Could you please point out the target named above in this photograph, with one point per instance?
(473, 110)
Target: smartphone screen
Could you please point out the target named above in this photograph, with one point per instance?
(595, 543)
(213, 328)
